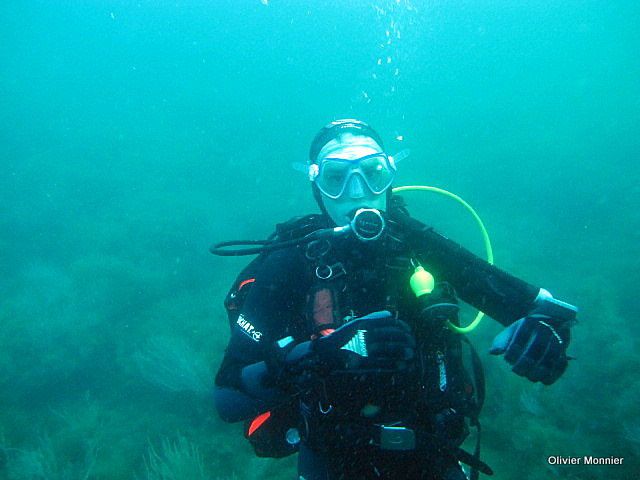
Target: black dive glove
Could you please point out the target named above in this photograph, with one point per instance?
(536, 345)
(373, 343)
(376, 342)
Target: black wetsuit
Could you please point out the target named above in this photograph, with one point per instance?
(367, 278)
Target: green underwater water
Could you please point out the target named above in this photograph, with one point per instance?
(134, 134)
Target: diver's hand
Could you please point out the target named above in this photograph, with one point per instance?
(536, 345)
(291, 367)
(373, 342)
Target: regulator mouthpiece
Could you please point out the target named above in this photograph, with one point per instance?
(367, 224)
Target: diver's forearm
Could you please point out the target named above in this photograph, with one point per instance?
(241, 391)
(253, 398)
(488, 288)
(235, 406)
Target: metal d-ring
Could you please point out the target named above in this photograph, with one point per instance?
(323, 410)
(320, 272)
(326, 272)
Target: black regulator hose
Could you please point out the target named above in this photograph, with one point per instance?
(221, 249)
(367, 225)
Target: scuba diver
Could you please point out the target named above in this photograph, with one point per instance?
(346, 345)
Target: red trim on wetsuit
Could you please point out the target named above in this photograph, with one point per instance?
(245, 282)
(257, 422)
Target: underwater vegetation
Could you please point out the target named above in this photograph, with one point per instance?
(177, 459)
(172, 365)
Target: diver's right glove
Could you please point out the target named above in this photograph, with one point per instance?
(373, 343)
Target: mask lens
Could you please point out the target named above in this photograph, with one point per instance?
(332, 177)
(377, 172)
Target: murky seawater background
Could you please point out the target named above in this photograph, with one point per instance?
(134, 134)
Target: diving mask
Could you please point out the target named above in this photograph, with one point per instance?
(333, 174)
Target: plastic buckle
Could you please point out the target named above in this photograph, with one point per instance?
(397, 438)
(317, 249)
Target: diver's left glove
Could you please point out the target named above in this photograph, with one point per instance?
(536, 345)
